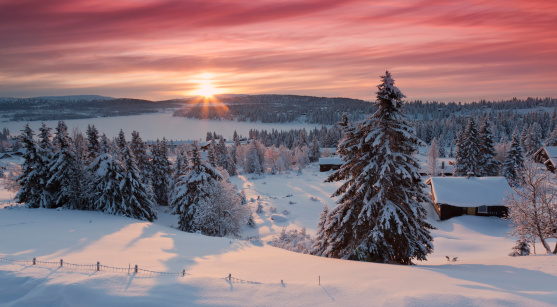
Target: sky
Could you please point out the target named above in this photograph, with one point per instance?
(439, 50)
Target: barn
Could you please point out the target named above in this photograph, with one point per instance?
(482, 196)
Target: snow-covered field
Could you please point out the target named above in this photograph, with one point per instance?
(262, 275)
(157, 125)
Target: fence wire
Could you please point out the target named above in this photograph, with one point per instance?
(135, 270)
(94, 267)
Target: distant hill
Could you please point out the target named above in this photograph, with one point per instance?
(77, 106)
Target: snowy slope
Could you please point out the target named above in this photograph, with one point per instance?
(483, 275)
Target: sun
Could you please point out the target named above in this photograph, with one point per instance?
(206, 87)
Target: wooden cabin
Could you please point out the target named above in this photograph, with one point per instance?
(456, 196)
(327, 164)
(547, 156)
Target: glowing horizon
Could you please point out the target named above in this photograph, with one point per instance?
(162, 49)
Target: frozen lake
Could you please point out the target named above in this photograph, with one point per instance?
(157, 125)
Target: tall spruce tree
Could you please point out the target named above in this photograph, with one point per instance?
(32, 178)
(379, 217)
(224, 159)
(137, 202)
(92, 142)
(488, 165)
(468, 156)
(514, 162)
(161, 170)
(106, 176)
(63, 171)
(139, 151)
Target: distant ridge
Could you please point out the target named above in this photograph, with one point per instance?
(74, 97)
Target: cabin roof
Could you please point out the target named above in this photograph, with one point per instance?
(469, 192)
(332, 160)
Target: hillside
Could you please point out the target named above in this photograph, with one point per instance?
(483, 275)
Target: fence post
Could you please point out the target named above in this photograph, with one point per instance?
(183, 272)
(61, 262)
(229, 276)
(136, 268)
(98, 265)
(34, 261)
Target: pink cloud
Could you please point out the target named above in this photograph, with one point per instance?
(445, 50)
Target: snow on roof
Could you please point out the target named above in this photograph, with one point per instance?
(333, 160)
(472, 192)
(551, 151)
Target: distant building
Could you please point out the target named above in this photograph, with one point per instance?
(327, 164)
(455, 196)
(547, 156)
(445, 168)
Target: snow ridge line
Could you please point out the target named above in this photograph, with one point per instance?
(95, 267)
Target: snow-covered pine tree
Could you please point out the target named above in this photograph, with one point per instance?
(139, 151)
(320, 239)
(211, 154)
(552, 138)
(137, 201)
(63, 172)
(487, 163)
(93, 144)
(224, 159)
(121, 141)
(191, 190)
(379, 216)
(514, 162)
(106, 176)
(315, 148)
(534, 139)
(32, 178)
(467, 157)
(160, 172)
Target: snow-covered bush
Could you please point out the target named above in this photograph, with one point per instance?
(293, 240)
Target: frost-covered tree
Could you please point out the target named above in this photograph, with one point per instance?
(467, 157)
(224, 159)
(284, 159)
(191, 191)
(160, 172)
(552, 138)
(433, 159)
(63, 172)
(315, 150)
(221, 213)
(379, 217)
(139, 151)
(32, 179)
(211, 154)
(254, 160)
(320, 239)
(106, 176)
(293, 240)
(93, 144)
(121, 142)
(137, 201)
(488, 166)
(514, 162)
(533, 205)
